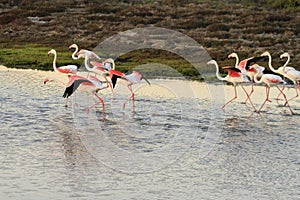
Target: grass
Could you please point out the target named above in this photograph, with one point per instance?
(33, 56)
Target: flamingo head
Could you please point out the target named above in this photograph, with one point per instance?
(211, 62)
(73, 46)
(232, 55)
(258, 68)
(83, 53)
(46, 80)
(52, 51)
(266, 53)
(286, 54)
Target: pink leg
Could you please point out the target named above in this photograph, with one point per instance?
(284, 96)
(235, 96)
(251, 92)
(109, 85)
(267, 98)
(283, 87)
(131, 97)
(100, 102)
(297, 94)
(248, 97)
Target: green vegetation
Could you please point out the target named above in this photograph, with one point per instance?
(29, 29)
(32, 56)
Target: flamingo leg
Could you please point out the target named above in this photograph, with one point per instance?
(297, 93)
(97, 103)
(235, 96)
(279, 94)
(130, 98)
(267, 98)
(251, 92)
(109, 85)
(248, 97)
(284, 96)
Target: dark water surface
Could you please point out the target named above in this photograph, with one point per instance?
(159, 150)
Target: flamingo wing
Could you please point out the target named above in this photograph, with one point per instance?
(68, 69)
(74, 86)
(233, 72)
(245, 64)
(114, 75)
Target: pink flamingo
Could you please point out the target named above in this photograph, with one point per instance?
(97, 70)
(68, 69)
(234, 76)
(74, 83)
(133, 78)
(268, 80)
(281, 70)
(245, 68)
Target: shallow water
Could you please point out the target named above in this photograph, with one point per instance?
(164, 148)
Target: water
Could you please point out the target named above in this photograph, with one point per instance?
(159, 150)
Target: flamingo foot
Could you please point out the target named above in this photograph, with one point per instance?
(87, 111)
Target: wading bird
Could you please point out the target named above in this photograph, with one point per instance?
(245, 67)
(68, 69)
(74, 83)
(133, 78)
(234, 76)
(269, 80)
(97, 70)
(281, 70)
(292, 74)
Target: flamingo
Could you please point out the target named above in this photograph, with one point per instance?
(133, 78)
(281, 70)
(292, 74)
(268, 80)
(74, 83)
(99, 68)
(68, 69)
(234, 76)
(74, 46)
(245, 68)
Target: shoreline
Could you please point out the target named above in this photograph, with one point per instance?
(176, 88)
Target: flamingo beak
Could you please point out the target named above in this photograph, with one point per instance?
(46, 80)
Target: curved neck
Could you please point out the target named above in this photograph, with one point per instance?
(256, 75)
(74, 53)
(270, 64)
(86, 64)
(236, 61)
(54, 62)
(286, 63)
(217, 72)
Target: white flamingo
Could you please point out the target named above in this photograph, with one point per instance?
(234, 76)
(68, 69)
(269, 80)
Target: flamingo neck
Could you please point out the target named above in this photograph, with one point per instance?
(286, 63)
(86, 64)
(218, 72)
(236, 61)
(74, 53)
(54, 62)
(270, 64)
(256, 75)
